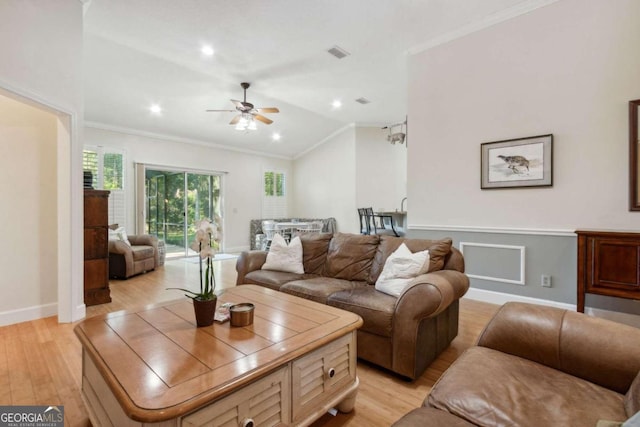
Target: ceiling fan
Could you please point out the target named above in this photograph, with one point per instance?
(248, 113)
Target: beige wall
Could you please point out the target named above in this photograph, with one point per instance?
(325, 181)
(41, 51)
(381, 170)
(28, 218)
(357, 167)
(568, 69)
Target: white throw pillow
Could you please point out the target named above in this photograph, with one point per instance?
(400, 268)
(283, 257)
(119, 234)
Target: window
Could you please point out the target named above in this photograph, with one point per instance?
(274, 184)
(274, 201)
(107, 167)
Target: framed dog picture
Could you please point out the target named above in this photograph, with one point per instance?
(514, 163)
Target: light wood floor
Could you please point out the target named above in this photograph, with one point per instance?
(40, 361)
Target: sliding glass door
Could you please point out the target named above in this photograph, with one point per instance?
(175, 201)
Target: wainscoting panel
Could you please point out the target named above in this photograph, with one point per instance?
(498, 263)
(495, 262)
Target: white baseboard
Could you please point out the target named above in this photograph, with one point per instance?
(28, 313)
(501, 298)
(80, 312)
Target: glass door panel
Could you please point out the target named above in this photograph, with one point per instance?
(175, 202)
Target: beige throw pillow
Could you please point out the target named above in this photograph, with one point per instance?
(283, 257)
(400, 268)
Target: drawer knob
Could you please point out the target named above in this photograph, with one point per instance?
(248, 422)
(331, 373)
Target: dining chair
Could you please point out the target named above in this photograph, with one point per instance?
(365, 222)
(269, 230)
(378, 223)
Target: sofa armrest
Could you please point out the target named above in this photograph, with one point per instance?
(430, 294)
(119, 247)
(249, 261)
(597, 350)
(426, 297)
(144, 240)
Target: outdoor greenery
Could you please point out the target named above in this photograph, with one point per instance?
(166, 204)
(273, 184)
(112, 169)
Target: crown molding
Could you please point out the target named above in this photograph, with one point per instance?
(179, 139)
(488, 21)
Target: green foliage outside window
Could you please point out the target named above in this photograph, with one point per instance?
(274, 184)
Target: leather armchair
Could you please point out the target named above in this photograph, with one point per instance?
(126, 261)
(539, 366)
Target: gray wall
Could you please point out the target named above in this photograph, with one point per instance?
(555, 255)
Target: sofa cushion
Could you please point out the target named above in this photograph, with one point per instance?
(509, 390)
(314, 251)
(375, 308)
(142, 252)
(272, 279)
(318, 289)
(438, 251)
(350, 256)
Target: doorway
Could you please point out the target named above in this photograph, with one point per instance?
(175, 201)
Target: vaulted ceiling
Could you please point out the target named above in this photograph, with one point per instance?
(143, 52)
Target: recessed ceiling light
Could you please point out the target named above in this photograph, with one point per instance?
(155, 109)
(207, 50)
(275, 136)
(336, 103)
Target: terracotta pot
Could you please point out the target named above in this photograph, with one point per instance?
(205, 311)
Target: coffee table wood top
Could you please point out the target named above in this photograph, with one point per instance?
(159, 365)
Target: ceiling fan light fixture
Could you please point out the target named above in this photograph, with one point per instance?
(252, 125)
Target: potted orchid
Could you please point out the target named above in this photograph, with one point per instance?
(206, 242)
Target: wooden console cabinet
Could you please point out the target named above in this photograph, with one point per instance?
(96, 247)
(608, 264)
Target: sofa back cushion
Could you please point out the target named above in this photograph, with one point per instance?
(438, 252)
(314, 251)
(597, 350)
(350, 256)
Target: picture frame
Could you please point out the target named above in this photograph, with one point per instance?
(517, 163)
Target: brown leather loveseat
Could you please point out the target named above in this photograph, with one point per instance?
(539, 366)
(403, 334)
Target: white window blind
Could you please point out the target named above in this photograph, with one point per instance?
(107, 167)
(274, 195)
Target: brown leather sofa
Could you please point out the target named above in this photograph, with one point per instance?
(539, 366)
(403, 334)
(126, 261)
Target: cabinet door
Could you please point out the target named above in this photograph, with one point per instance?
(265, 402)
(96, 243)
(317, 377)
(616, 266)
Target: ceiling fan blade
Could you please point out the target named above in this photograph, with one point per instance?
(263, 119)
(235, 120)
(268, 110)
(220, 111)
(237, 103)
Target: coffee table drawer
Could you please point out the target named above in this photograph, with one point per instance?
(263, 403)
(315, 378)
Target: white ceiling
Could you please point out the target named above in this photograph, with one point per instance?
(139, 52)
